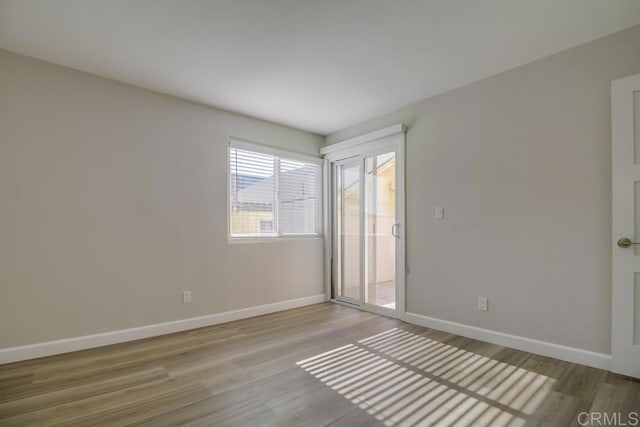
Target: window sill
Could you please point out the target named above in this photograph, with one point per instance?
(272, 239)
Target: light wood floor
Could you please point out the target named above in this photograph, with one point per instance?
(320, 365)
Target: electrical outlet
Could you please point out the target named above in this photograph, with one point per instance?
(186, 297)
(483, 304)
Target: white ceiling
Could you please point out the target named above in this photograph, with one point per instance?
(315, 65)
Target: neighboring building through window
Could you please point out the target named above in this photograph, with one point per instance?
(272, 192)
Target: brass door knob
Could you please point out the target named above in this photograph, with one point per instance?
(626, 243)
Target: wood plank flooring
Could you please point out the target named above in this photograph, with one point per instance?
(322, 365)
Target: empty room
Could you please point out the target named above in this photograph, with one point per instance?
(320, 213)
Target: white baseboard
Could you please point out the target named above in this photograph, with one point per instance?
(556, 351)
(49, 348)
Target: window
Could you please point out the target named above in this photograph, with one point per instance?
(272, 193)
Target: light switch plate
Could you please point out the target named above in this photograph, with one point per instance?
(186, 297)
(439, 212)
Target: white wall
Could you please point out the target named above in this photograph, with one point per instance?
(113, 200)
(521, 163)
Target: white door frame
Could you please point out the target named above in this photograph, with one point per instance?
(392, 137)
(625, 349)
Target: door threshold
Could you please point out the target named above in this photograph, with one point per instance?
(370, 309)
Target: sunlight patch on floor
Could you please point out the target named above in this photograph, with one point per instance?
(405, 379)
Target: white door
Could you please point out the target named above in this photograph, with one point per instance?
(625, 103)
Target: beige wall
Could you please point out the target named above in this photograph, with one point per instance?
(521, 163)
(113, 200)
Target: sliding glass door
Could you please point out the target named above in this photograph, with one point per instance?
(347, 230)
(380, 220)
(365, 230)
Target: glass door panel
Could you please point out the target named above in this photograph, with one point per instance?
(347, 230)
(380, 217)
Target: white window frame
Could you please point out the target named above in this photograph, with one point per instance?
(279, 154)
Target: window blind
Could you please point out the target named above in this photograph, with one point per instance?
(272, 195)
